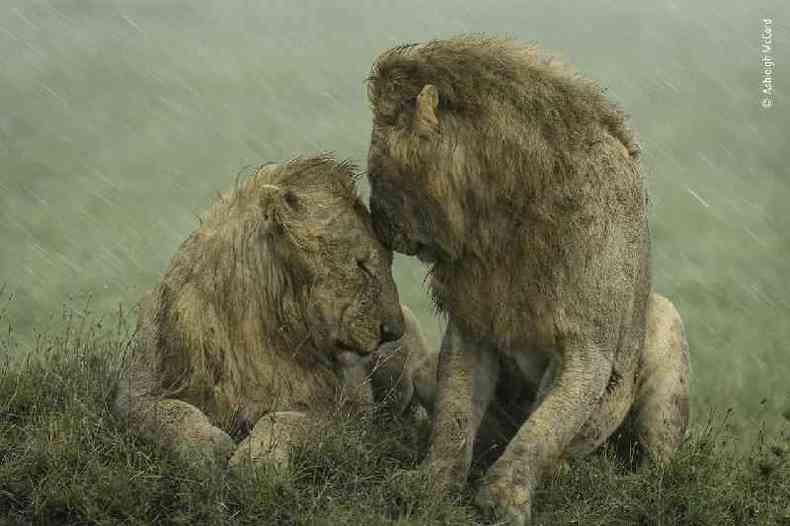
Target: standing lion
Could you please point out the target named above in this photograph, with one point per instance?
(273, 309)
(519, 182)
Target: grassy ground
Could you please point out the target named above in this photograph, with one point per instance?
(64, 459)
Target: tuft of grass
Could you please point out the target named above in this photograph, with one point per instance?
(712, 480)
(65, 459)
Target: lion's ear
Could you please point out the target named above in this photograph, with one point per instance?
(425, 120)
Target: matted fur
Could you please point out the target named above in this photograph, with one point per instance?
(231, 283)
(519, 182)
(260, 308)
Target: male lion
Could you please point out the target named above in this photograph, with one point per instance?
(519, 182)
(271, 309)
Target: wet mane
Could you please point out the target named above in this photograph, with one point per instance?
(472, 71)
(230, 304)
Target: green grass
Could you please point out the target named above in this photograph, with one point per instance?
(65, 459)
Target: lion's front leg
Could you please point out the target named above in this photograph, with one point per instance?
(175, 424)
(180, 427)
(271, 439)
(467, 374)
(580, 379)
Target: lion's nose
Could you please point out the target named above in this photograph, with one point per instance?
(391, 330)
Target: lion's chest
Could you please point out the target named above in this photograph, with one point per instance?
(515, 310)
(266, 386)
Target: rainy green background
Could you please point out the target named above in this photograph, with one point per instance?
(120, 120)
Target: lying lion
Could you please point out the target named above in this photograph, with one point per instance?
(274, 309)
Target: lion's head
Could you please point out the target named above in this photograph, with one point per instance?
(295, 245)
(471, 137)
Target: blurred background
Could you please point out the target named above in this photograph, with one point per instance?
(120, 120)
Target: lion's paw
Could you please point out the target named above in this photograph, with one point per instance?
(205, 444)
(499, 501)
(270, 441)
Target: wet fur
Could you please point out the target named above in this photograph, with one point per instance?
(521, 184)
(242, 324)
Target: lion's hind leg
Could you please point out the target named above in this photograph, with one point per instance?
(657, 422)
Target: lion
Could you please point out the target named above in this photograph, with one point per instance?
(518, 182)
(271, 312)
